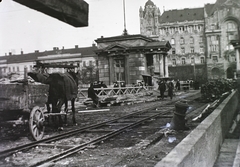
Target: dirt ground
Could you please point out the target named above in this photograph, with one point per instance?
(130, 149)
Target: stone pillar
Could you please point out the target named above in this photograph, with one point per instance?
(237, 60)
(238, 67)
(161, 67)
(166, 66)
(236, 45)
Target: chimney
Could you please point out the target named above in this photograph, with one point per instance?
(76, 46)
(10, 53)
(21, 52)
(63, 48)
(36, 51)
(93, 44)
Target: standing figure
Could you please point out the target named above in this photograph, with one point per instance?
(103, 85)
(115, 85)
(178, 85)
(170, 89)
(92, 94)
(162, 88)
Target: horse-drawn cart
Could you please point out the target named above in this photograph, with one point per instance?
(24, 102)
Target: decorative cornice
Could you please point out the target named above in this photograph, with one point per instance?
(154, 47)
(122, 38)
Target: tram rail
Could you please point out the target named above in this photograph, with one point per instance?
(140, 116)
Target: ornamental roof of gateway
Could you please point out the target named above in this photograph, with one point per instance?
(187, 14)
(122, 38)
(116, 47)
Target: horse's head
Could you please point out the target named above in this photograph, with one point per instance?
(38, 77)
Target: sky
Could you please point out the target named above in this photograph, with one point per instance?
(27, 30)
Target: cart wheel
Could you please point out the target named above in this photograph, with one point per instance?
(36, 123)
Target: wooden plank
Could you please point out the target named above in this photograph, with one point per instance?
(93, 110)
(74, 12)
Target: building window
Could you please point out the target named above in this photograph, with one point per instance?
(173, 61)
(202, 60)
(190, 29)
(231, 26)
(183, 61)
(173, 41)
(201, 50)
(13, 69)
(192, 60)
(215, 59)
(192, 49)
(199, 27)
(212, 27)
(214, 48)
(182, 40)
(233, 58)
(191, 40)
(214, 39)
(182, 50)
(9, 69)
(200, 39)
(231, 36)
(173, 51)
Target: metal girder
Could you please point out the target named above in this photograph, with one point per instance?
(74, 12)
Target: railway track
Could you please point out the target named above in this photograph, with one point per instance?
(110, 128)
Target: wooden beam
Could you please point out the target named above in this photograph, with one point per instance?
(83, 111)
(74, 12)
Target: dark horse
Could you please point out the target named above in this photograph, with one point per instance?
(62, 88)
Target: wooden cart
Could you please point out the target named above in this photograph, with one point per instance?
(26, 102)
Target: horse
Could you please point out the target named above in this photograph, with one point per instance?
(62, 88)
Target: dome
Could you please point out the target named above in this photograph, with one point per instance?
(149, 3)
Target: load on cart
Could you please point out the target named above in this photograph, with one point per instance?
(26, 101)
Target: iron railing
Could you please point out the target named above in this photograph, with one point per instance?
(112, 91)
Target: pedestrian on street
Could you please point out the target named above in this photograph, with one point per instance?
(178, 85)
(170, 89)
(92, 94)
(162, 88)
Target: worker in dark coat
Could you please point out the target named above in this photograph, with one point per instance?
(178, 85)
(170, 89)
(162, 88)
(92, 94)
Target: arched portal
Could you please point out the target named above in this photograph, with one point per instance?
(215, 73)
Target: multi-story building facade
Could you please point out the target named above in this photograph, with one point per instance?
(222, 22)
(200, 38)
(84, 59)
